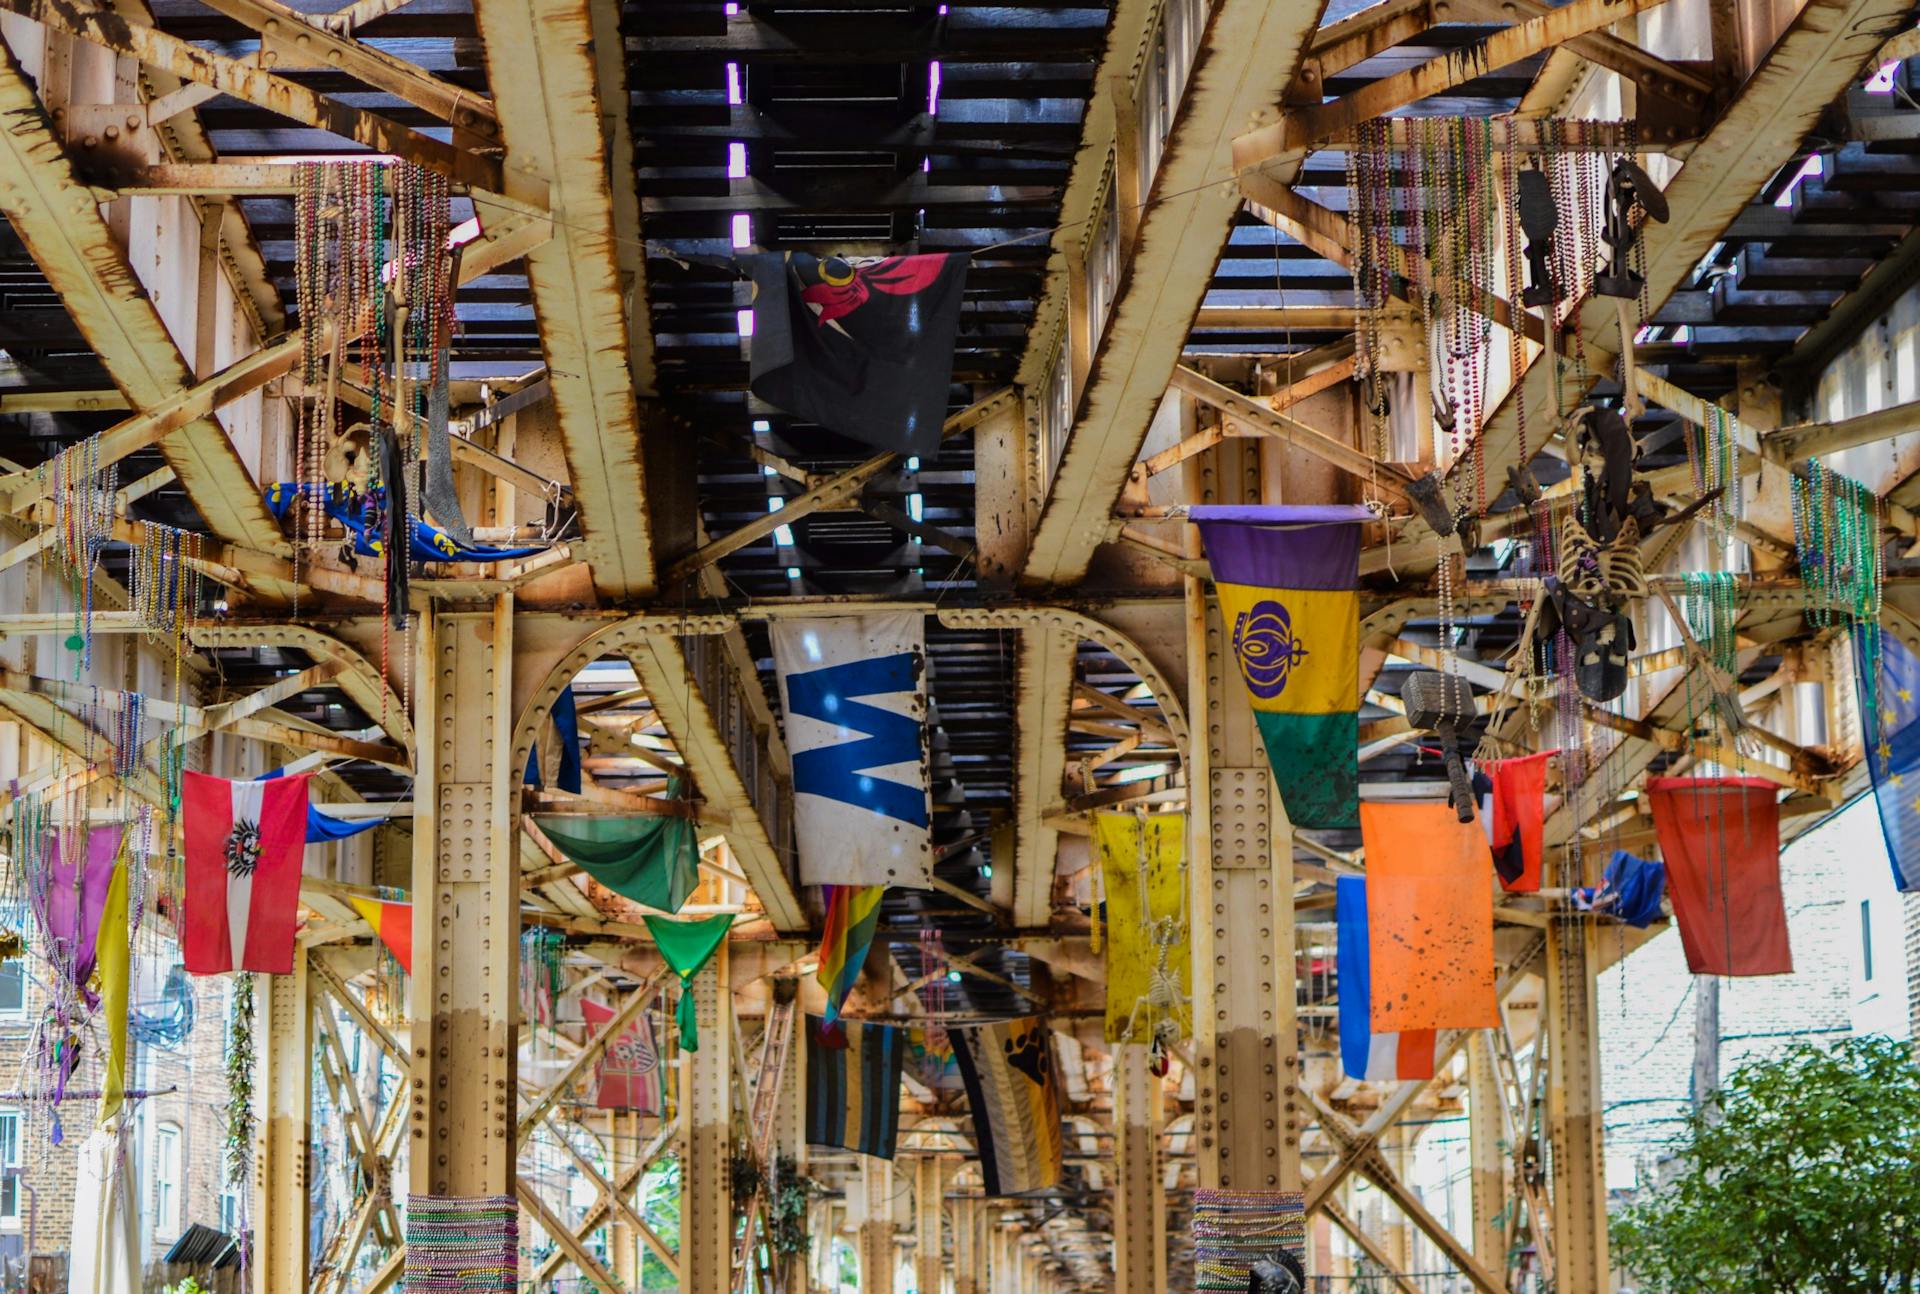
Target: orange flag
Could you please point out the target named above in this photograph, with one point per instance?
(1429, 918)
(392, 923)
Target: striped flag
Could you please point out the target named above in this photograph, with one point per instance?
(853, 1085)
(244, 841)
(1013, 1091)
(853, 914)
(1364, 1053)
(629, 1074)
(392, 924)
(1288, 581)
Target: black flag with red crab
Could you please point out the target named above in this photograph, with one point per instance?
(864, 348)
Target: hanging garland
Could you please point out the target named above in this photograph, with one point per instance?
(1836, 534)
(81, 490)
(240, 1082)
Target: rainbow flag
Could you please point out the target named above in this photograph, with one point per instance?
(392, 923)
(853, 914)
(1288, 583)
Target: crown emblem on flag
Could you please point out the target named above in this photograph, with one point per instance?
(1264, 644)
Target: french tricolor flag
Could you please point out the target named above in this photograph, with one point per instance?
(1364, 1053)
(244, 841)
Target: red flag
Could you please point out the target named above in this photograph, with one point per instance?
(1517, 824)
(1720, 837)
(244, 841)
(629, 1073)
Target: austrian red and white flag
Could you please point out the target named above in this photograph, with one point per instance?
(244, 841)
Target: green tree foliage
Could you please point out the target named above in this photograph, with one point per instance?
(1803, 1175)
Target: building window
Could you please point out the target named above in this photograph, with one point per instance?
(13, 987)
(10, 1164)
(1866, 939)
(230, 1210)
(166, 1179)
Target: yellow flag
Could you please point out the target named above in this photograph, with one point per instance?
(1149, 950)
(112, 956)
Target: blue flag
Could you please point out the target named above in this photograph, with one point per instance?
(1888, 675)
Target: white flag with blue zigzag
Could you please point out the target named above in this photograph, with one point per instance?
(855, 693)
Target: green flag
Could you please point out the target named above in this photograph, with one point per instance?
(687, 947)
(650, 858)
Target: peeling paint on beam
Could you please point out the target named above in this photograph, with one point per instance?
(551, 119)
(1246, 59)
(56, 218)
(1045, 703)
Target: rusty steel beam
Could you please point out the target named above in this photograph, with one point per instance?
(69, 239)
(1045, 695)
(1246, 60)
(291, 39)
(1289, 138)
(256, 85)
(1604, 49)
(553, 128)
(1824, 48)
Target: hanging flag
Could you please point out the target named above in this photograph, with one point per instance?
(566, 727)
(115, 958)
(1516, 824)
(243, 872)
(1364, 1053)
(80, 871)
(1287, 579)
(1143, 861)
(1630, 890)
(629, 1076)
(853, 1085)
(362, 516)
(1887, 674)
(853, 914)
(1014, 1095)
(687, 946)
(864, 348)
(1720, 838)
(856, 709)
(1429, 919)
(651, 858)
(323, 828)
(392, 924)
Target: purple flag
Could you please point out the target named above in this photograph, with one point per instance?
(76, 894)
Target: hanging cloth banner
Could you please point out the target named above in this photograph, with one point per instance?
(853, 1086)
(1887, 673)
(1429, 919)
(244, 841)
(1013, 1093)
(76, 896)
(1720, 837)
(392, 924)
(687, 946)
(566, 726)
(650, 858)
(350, 508)
(103, 1256)
(1516, 824)
(864, 348)
(323, 828)
(855, 693)
(1287, 579)
(1364, 1053)
(628, 1076)
(1631, 891)
(853, 914)
(115, 958)
(1143, 864)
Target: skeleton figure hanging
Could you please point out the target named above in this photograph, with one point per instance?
(1592, 599)
(1163, 1001)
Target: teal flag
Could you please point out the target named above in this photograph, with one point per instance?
(687, 947)
(650, 858)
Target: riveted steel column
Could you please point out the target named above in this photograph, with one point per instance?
(1139, 1203)
(790, 1136)
(876, 1226)
(1240, 855)
(283, 1081)
(1574, 1110)
(706, 1195)
(466, 908)
(1487, 1114)
(969, 1265)
(929, 1188)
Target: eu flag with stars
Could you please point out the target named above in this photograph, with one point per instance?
(1888, 674)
